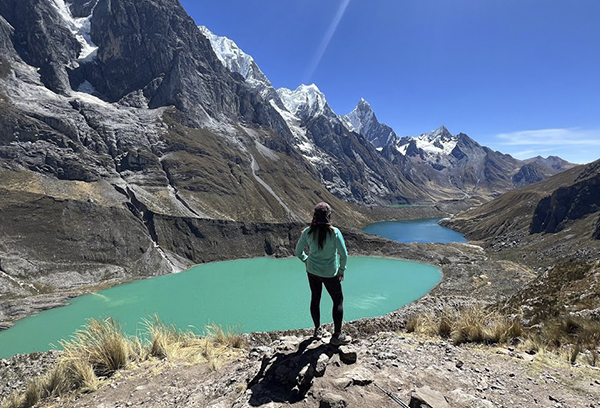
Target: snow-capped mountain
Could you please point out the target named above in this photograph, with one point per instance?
(363, 120)
(448, 166)
(437, 142)
(345, 162)
(305, 102)
(434, 164)
(236, 60)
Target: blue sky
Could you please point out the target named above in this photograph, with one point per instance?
(519, 76)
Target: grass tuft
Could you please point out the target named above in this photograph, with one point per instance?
(469, 325)
(102, 344)
(101, 348)
(576, 339)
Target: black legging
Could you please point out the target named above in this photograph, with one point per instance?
(334, 288)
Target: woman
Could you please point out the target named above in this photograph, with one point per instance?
(325, 264)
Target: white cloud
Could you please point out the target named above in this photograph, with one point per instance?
(575, 145)
(575, 136)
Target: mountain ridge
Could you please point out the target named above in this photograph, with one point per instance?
(437, 167)
(124, 142)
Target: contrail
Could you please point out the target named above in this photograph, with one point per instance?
(326, 40)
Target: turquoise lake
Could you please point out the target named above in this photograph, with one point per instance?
(259, 294)
(422, 230)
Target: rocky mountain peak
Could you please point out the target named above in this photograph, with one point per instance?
(363, 105)
(361, 117)
(437, 142)
(234, 58)
(362, 120)
(439, 134)
(305, 102)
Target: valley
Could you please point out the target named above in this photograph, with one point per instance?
(136, 144)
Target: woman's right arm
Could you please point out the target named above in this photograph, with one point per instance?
(300, 247)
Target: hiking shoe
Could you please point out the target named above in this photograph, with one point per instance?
(339, 339)
(319, 332)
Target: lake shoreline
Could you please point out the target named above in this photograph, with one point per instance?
(460, 264)
(181, 243)
(468, 276)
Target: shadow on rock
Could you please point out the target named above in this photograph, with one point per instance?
(288, 377)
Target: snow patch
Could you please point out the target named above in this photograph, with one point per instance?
(236, 60)
(306, 99)
(434, 143)
(80, 28)
(229, 53)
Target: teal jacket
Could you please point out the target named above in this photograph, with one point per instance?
(327, 262)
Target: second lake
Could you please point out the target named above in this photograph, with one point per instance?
(422, 230)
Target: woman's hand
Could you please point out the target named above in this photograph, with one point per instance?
(340, 277)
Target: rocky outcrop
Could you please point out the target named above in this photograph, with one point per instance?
(367, 175)
(568, 203)
(528, 174)
(547, 223)
(570, 287)
(42, 40)
(362, 120)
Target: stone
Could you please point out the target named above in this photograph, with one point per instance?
(305, 376)
(321, 365)
(347, 354)
(425, 397)
(330, 400)
(361, 376)
(463, 399)
(342, 382)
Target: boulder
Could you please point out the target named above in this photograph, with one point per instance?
(330, 400)
(425, 397)
(347, 354)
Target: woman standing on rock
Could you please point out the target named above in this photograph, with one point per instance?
(325, 265)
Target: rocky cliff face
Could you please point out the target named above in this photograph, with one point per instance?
(99, 144)
(543, 224)
(569, 203)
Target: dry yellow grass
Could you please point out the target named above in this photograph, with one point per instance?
(102, 344)
(101, 349)
(470, 325)
(574, 339)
